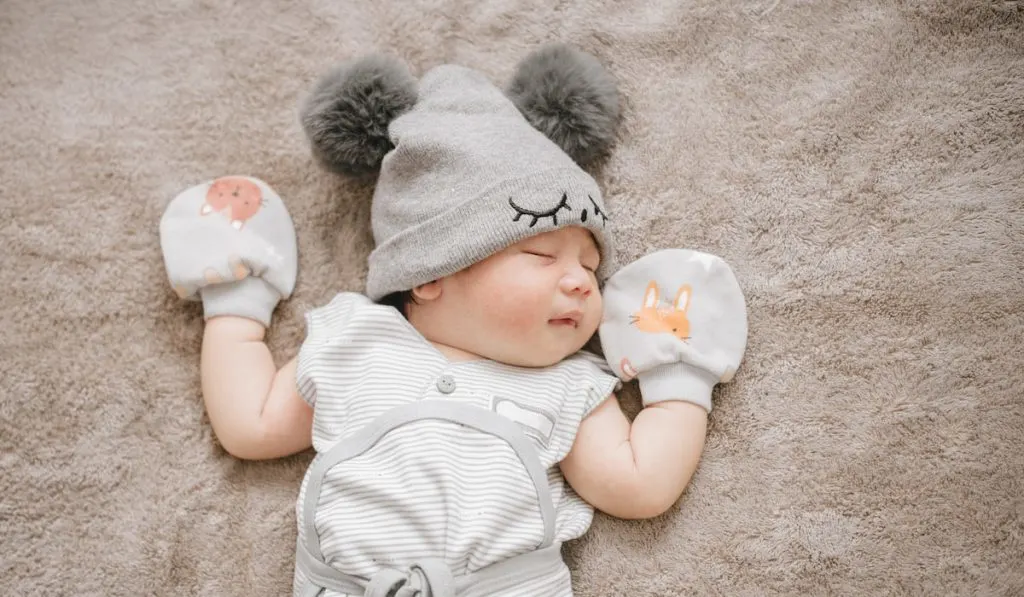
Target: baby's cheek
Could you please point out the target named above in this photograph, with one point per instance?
(514, 312)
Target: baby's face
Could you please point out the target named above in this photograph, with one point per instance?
(531, 305)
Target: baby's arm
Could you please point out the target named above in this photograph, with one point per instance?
(231, 243)
(255, 409)
(638, 470)
(677, 321)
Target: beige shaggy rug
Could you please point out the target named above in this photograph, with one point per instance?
(858, 163)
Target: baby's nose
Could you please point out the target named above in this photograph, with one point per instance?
(576, 283)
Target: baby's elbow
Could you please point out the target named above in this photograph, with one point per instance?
(658, 507)
(236, 448)
(637, 509)
(241, 446)
(641, 501)
(658, 491)
(652, 506)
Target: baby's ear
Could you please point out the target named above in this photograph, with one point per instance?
(570, 97)
(346, 116)
(427, 292)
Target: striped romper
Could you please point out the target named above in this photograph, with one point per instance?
(434, 478)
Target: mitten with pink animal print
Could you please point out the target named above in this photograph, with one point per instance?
(677, 321)
(230, 242)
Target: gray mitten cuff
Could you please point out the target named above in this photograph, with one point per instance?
(231, 243)
(249, 297)
(676, 320)
(677, 381)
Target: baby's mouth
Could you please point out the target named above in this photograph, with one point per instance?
(570, 319)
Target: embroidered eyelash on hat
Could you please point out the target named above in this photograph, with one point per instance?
(553, 212)
(464, 168)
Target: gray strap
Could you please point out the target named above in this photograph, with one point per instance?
(437, 581)
(310, 590)
(321, 575)
(472, 416)
(523, 567)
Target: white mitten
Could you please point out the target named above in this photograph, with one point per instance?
(231, 243)
(676, 320)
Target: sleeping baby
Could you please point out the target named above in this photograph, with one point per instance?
(462, 434)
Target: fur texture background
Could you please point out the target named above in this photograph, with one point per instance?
(859, 164)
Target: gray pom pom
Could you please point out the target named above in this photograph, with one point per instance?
(347, 114)
(569, 96)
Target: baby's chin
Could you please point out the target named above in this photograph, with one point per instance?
(539, 355)
(535, 361)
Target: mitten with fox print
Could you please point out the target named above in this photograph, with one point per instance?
(676, 320)
(230, 242)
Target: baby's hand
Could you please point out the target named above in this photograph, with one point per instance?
(231, 243)
(676, 320)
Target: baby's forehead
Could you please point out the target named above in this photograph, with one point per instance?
(567, 235)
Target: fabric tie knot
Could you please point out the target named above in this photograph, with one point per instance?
(427, 578)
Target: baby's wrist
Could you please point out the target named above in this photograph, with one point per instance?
(236, 328)
(677, 407)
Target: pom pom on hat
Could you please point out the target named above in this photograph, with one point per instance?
(347, 114)
(569, 96)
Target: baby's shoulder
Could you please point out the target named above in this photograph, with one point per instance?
(579, 374)
(347, 313)
(345, 301)
(578, 384)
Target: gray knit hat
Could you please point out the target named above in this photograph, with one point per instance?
(465, 174)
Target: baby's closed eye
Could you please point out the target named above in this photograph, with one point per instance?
(541, 254)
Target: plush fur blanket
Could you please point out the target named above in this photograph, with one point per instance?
(859, 164)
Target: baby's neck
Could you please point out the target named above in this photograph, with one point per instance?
(455, 355)
(427, 324)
